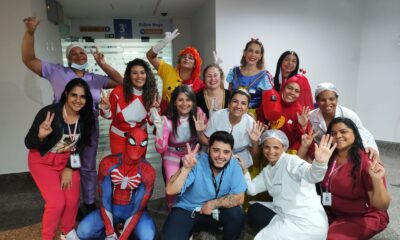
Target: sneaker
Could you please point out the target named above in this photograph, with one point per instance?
(70, 236)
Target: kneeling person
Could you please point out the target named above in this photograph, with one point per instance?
(210, 190)
(126, 183)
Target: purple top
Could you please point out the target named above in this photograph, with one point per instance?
(59, 76)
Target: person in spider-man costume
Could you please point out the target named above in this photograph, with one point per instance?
(125, 183)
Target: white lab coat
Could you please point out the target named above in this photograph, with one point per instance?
(318, 124)
(299, 212)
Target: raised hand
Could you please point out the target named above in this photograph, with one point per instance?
(105, 101)
(156, 101)
(167, 39)
(45, 127)
(376, 169)
(303, 118)
(200, 121)
(256, 131)
(241, 163)
(98, 56)
(307, 138)
(217, 60)
(189, 160)
(30, 24)
(324, 150)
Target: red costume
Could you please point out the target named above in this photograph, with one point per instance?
(125, 183)
(124, 115)
(288, 121)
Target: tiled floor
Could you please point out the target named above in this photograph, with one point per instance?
(21, 205)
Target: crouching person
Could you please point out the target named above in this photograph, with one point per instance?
(126, 183)
(210, 190)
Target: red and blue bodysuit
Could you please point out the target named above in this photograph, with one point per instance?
(126, 182)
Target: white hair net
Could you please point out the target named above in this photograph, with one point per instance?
(325, 86)
(71, 46)
(278, 135)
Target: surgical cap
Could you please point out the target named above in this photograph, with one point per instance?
(71, 46)
(325, 86)
(278, 135)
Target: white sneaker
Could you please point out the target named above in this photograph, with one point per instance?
(70, 236)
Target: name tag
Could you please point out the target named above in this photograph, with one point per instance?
(326, 199)
(75, 160)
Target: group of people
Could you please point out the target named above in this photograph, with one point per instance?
(262, 134)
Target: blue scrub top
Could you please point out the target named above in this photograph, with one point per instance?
(199, 187)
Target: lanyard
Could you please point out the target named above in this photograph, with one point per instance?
(217, 187)
(333, 171)
(72, 136)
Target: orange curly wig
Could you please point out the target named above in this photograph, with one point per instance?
(197, 63)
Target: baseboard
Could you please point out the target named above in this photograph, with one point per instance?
(388, 146)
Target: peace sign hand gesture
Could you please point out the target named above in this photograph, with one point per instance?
(98, 56)
(45, 127)
(105, 101)
(167, 39)
(200, 121)
(30, 24)
(375, 169)
(256, 131)
(189, 160)
(307, 138)
(323, 151)
(156, 102)
(217, 60)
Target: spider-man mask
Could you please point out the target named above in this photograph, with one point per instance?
(136, 145)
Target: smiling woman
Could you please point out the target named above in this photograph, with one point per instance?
(362, 213)
(251, 74)
(327, 95)
(175, 130)
(295, 211)
(236, 121)
(128, 104)
(58, 134)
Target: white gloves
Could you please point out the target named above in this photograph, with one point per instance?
(167, 39)
(217, 60)
(158, 122)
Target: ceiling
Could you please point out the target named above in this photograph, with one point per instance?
(129, 8)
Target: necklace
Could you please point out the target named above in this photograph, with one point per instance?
(212, 102)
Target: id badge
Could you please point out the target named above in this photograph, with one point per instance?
(327, 199)
(215, 214)
(252, 91)
(75, 160)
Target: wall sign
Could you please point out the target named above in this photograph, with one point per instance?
(94, 28)
(123, 28)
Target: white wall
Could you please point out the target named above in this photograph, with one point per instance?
(378, 80)
(22, 93)
(203, 31)
(325, 34)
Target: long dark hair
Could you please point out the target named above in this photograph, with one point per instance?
(277, 85)
(260, 63)
(172, 111)
(149, 88)
(355, 148)
(86, 115)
